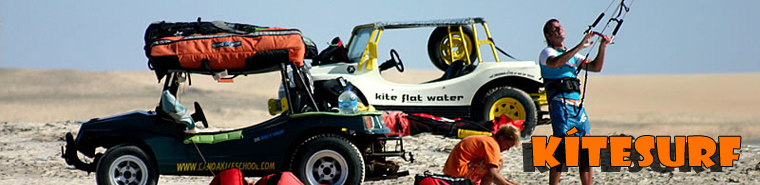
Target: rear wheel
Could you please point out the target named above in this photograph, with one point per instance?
(126, 165)
(439, 43)
(328, 159)
(511, 102)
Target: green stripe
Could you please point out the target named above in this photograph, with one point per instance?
(214, 138)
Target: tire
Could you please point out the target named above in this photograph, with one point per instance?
(438, 41)
(513, 102)
(126, 164)
(328, 159)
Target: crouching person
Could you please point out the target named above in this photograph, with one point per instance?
(478, 157)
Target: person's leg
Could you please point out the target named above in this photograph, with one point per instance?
(586, 174)
(559, 127)
(486, 180)
(477, 172)
(584, 170)
(554, 174)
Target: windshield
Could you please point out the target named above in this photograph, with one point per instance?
(358, 44)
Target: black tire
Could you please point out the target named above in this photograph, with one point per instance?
(328, 159)
(511, 101)
(126, 164)
(438, 39)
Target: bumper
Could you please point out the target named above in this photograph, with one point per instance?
(378, 167)
(396, 151)
(69, 153)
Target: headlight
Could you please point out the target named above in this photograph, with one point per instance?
(373, 122)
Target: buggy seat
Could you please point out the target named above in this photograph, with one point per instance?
(456, 69)
(299, 89)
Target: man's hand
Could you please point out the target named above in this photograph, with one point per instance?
(585, 42)
(596, 64)
(493, 176)
(606, 40)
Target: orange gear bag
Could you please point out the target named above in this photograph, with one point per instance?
(209, 47)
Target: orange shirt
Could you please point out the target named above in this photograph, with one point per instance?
(472, 148)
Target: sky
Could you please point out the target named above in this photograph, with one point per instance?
(657, 37)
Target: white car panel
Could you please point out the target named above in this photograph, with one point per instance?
(458, 91)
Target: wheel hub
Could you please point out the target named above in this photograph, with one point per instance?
(128, 170)
(327, 167)
(457, 43)
(509, 107)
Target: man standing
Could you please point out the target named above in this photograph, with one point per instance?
(558, 68)
(478, 157)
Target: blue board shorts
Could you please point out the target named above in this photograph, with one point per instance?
(565, 116)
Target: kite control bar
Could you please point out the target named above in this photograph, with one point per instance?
(621, 11)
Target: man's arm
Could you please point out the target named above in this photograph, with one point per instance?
(596, 64)
(555, 62)
(493, 176)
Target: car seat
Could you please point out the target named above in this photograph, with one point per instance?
(454, 70)
(302, 90)
(458, 68)
(469, 68)
(173, 108)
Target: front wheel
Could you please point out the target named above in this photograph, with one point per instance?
(126, 165)
(328, 159)
(512, 102)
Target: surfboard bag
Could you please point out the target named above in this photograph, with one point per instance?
(217, 46)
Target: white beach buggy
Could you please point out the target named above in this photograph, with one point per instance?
(470, 88)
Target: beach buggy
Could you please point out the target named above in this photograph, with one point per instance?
(470, 87)
(319, 147)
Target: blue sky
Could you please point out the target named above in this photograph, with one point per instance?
(658, 37)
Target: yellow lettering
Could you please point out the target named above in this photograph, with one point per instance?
(218, 166)
(186, 166)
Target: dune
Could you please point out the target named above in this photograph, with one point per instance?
(39, 106)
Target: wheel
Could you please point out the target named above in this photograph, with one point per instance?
(126, 165)
(512, 102)
(328, 159)
(439, 42)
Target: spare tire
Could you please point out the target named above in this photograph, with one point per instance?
(439, 42)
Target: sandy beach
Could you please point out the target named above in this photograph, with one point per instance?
(40, 106)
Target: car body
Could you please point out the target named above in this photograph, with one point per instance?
(478, 90)
(140, 145)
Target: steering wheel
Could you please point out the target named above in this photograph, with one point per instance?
(397, 59)
(199, 115)
(394, 61)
